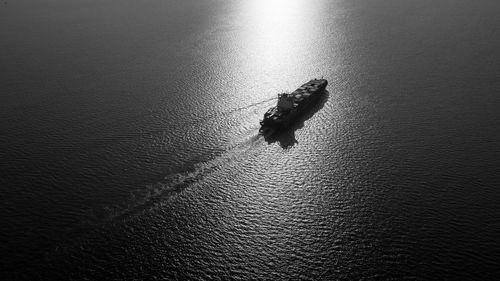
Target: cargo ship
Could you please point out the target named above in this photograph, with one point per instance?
(292, 105)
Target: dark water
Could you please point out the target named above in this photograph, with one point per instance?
(129, 140)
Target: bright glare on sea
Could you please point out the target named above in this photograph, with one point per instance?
(129, 145)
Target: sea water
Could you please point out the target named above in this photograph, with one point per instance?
(129, 140)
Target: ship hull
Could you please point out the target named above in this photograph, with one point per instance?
(304, 98)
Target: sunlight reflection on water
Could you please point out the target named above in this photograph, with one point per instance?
(276, 38)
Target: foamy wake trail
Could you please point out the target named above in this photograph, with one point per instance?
(156, 193)
(150, 195)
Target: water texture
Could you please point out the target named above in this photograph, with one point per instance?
(129, 140)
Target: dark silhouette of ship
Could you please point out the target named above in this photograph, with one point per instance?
(292, 105)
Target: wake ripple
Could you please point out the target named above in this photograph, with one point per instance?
(172, 184)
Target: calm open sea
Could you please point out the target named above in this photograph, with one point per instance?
(129, 145)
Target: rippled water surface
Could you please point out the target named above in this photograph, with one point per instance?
(129, 140)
